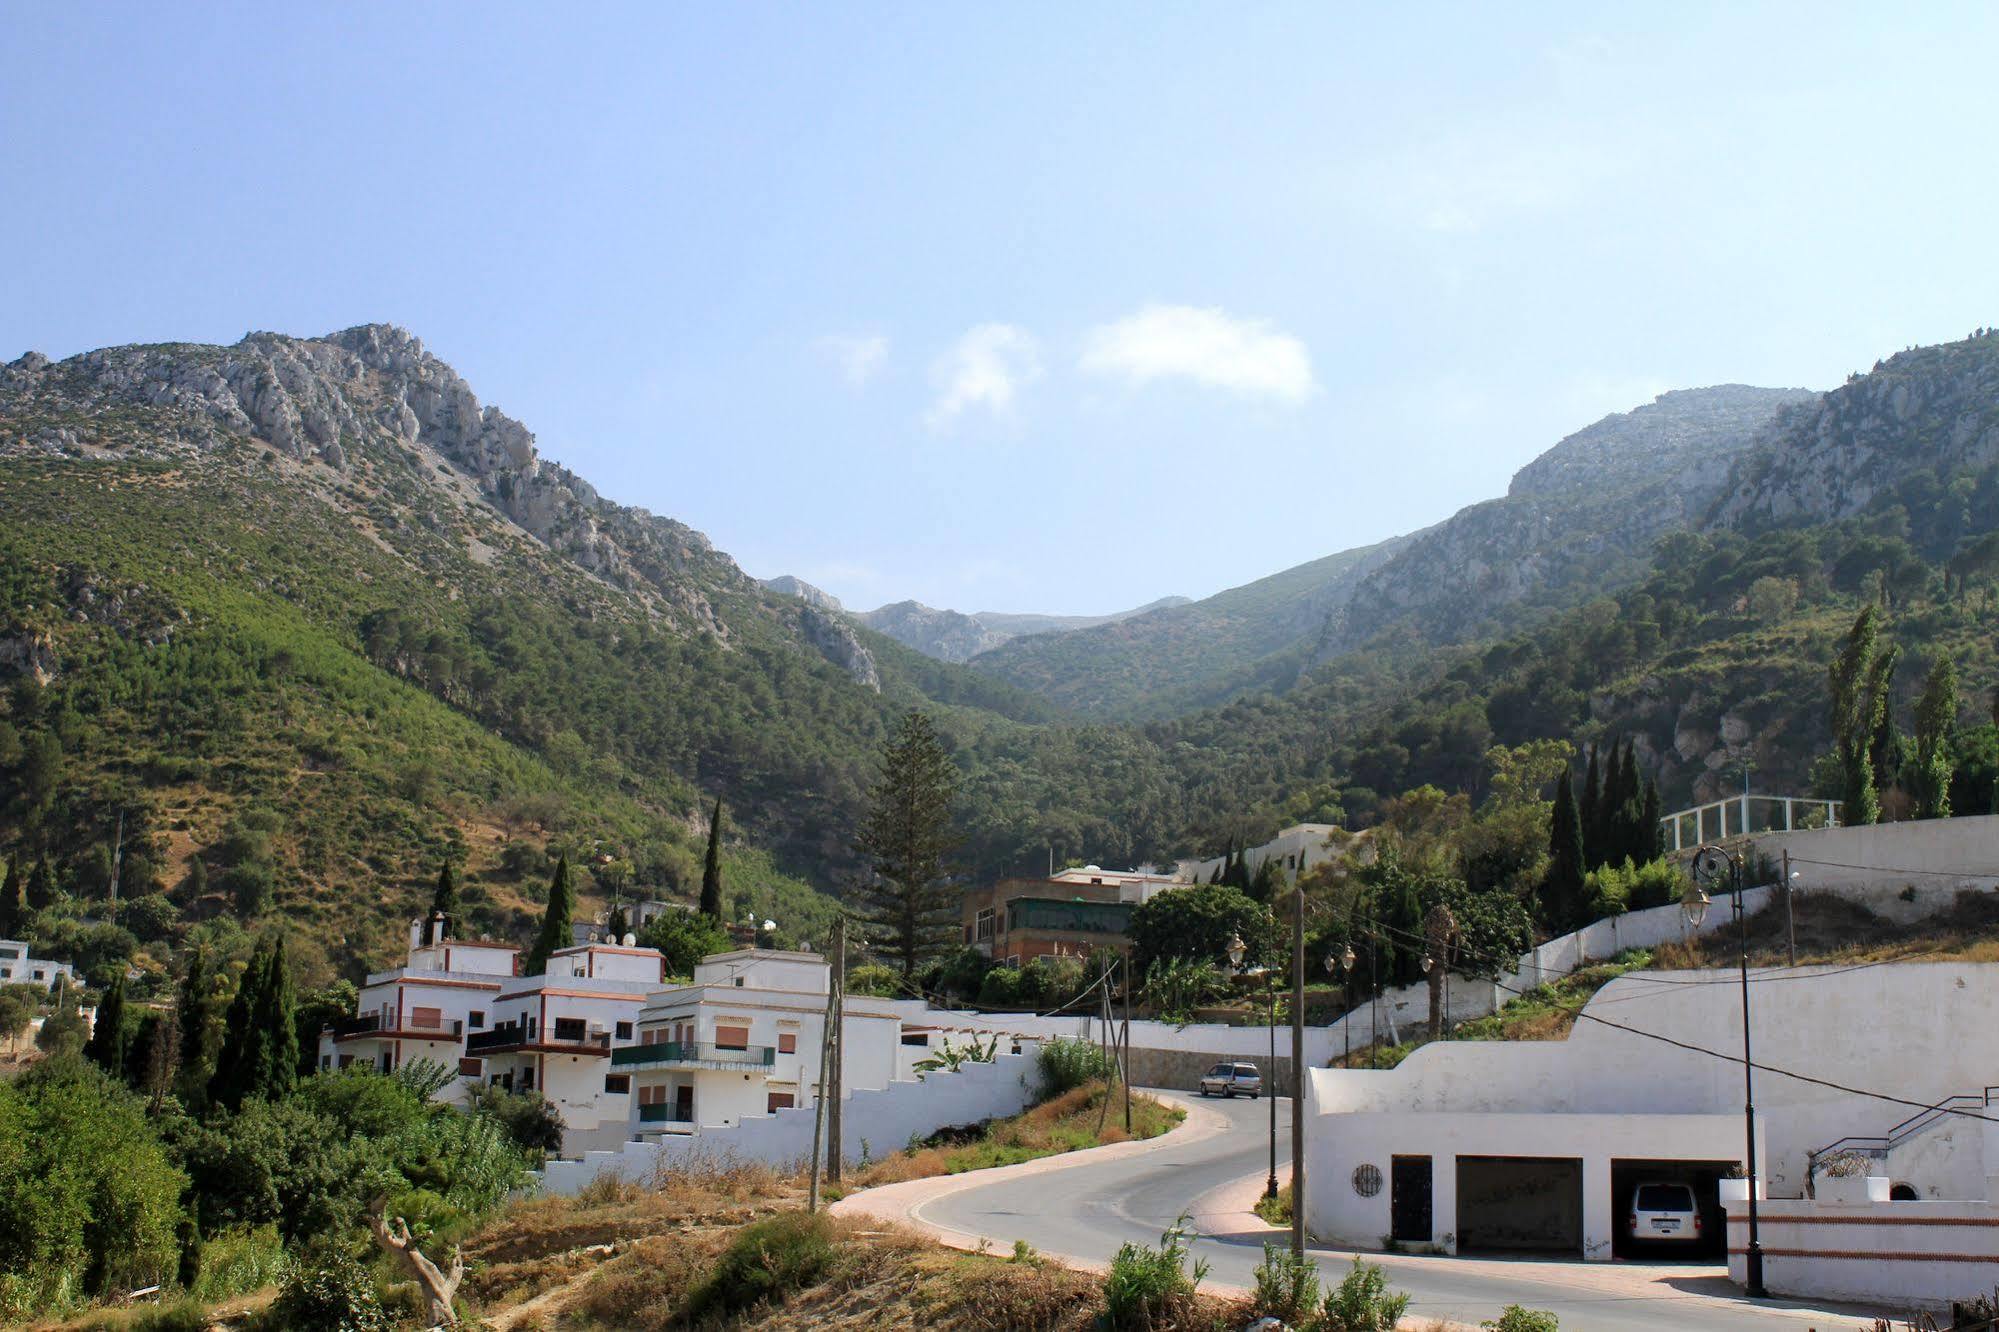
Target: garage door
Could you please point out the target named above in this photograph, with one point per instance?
(1528, 1204)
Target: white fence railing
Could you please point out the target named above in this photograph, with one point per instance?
(1740, 815)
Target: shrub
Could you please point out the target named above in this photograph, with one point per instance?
(1149, 1287)
(1068, 1064)
(1001, 988)
(876, 981)
(334, 1294)
(1287, 1286)
(1362, 1302)
(1513, 1318)
(764, 1263)
(238, 1261)
(529, 1119)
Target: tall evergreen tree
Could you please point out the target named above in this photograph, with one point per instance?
(191, 1015)
(1589, 817)
(1265, 884)
(107, 1045)
(235, 1063)
(1936, 740)
(443, 902)
(160, 1060)
(41, 885)
(1562, 889)
(13, 904)
(557, 922)
(617, 926)
(1652, 841)
(711, 867)
(1859, 706)
(1631, 840)
(275, 1025)
(906, 842)
(197, 879)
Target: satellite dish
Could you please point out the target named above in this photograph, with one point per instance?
(630, 939)
(595, 937)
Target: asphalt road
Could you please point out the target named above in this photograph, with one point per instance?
(1087, 1211)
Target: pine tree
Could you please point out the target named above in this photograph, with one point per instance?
(13, 904)
(1562, 889)
(235, 1067)
(557, 922)
(1936, 740)
(107, 1046)
(443, 902)
(41, 885)
(906, 841)
(275, 1021)
(1589, 816)
(711, 868)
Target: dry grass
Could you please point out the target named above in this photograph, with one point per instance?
(1064, 1123)
(1832, 930)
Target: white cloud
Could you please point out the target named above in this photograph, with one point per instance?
(859, 356)
(985, 368)
(1211, 347)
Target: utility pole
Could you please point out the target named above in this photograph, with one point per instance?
(836, 1138)
(819, 1099)
(1298, 1074)
(1790, 917)
(1124, 1042)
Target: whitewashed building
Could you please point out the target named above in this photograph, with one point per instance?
(426, 1008)
(19, 967)
(555, 1033)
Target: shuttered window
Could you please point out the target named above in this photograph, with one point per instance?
(787, 1042)
(732, 1038)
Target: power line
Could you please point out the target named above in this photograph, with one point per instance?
(1898, 869)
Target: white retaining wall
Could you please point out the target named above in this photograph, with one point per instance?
(1905, 1255)
(874, 1123)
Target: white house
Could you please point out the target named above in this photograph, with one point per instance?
(426, 1008)
(1298, 847)
(554, 1033)
(17, 967)
(743, 1040)
(1538, 1145)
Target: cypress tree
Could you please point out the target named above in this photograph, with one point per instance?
(107, 1045)
(1856, 682)
(1936, 740)
(191, 1012)
(41, 885)
(13, 904)
(234, 1070)
(443, 902)
(275, 1022)
(711, 868)
(1589, 816)
(557, 923)
(1562, 889)
(1651, 840)
(197, 879)
(617, 926)
(1628, 814)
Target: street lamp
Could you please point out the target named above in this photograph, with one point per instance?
(1347, 961)
(1713, 865)
(1237, 952)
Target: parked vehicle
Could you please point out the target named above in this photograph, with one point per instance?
(1232, 1079)
(1665, 1211)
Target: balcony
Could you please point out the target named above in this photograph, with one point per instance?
(372, 1024)
(513, 1036)
(694, 1054)
(664, 1113)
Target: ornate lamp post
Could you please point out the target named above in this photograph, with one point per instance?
(1237, 952)
(1715, 866)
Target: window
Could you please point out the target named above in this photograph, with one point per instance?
(739, 982)
(624, 1031)
(787, 1042)
(426, 1019)
(569, 1029)
(527, 1079)
(471, 1068)
(915, 1038)
(984, 926)
(732, 1038)
(325, 1062)
(478, 1018)
(617, 1084)
(776, 1101)
(652, 1095)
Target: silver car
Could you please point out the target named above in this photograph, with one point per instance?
(1232, 1079)
(1663, 1211)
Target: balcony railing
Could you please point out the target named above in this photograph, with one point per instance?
(664, 1113)
(694, 1052)
(512, 1036)
(367, 1024)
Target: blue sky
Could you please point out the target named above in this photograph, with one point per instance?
(1053, 308)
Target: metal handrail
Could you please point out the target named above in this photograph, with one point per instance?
(675, 1052)
(1899, 1133)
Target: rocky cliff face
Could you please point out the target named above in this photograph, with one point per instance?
(1577, 521)
(383, 415)
(1935, 407)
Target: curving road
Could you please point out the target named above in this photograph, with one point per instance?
(1083, 1208)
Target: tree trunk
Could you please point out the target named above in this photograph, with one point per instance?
(438, 1287)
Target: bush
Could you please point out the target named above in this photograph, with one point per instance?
(1513, 1318)
(1148, 1287)
(1362, 1302)
(1001, 988)
(1287, 1287)
(529, 1119)
(684, 938)
(876, 981)
(764, 1263)
(332, 1295)
(1067, 1064)
(238, 1261)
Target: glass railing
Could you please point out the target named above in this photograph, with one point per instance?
(695, 1052)
(663, 1113)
